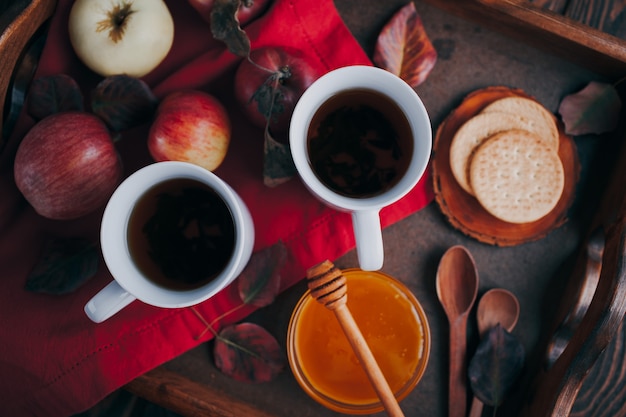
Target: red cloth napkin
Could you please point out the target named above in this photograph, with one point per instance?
(53, 359)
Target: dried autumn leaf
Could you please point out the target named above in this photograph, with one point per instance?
(64, 265)
(278, 165)
(594, 109)
(403, 47)
(247, 352)
(226, 28)
(259, 283)
(495, 366)
(123, 102)
(269, 97)
(53, 94)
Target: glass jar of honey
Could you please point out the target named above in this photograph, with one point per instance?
(394, 326)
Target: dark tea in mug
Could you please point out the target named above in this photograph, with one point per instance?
(181, 234)
(359, 143)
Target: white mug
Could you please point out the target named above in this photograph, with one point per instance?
(130, 283)
(365, 210)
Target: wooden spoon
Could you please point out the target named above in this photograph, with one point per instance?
(495, 306)
(457, 287)
(328, 287)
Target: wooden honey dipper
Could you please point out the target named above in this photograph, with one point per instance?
(328, 287)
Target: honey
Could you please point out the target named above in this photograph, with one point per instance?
(394, 326)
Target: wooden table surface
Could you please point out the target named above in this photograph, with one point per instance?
(469, 57)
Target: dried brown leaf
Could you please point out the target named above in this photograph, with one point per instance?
(123, 102)
(64, 265)
(404, 49)
(594, 109)
(54, 94)
(226, 28)
(259, 283)
(496, 366)
(249, 353)
(278, 165)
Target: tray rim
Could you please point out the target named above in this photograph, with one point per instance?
(551, 32)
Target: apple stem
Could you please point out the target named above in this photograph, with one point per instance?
(284, 73)
(116, 21)
(262, 68)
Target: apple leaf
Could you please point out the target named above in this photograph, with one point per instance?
(123, 102)
(495, 366)
(225, 27)
(278, 165)
(249, 353)
(259, 283)
(63, 266)
(594, 109)
(53, 94)
(269, 96)
(403, 47)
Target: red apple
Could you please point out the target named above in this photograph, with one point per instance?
(190, 126)
(67, 165)
(285, 74)
(246, 11)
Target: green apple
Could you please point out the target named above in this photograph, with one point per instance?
(113, 37)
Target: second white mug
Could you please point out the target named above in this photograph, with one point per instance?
(335, 116)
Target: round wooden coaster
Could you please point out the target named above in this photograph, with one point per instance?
(463, 211)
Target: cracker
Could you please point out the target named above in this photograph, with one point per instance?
(516, 177)
(544, 121)
(473, 132)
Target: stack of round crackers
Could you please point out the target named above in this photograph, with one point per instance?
(507, 157)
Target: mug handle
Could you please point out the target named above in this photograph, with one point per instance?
(107, 302)
(369, 239)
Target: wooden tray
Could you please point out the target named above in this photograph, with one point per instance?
(463, 211)
(589, 48)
